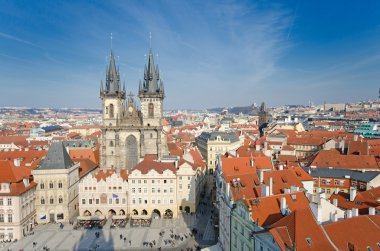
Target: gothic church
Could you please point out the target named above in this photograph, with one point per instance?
(128, 134)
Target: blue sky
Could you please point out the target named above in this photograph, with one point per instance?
(210, 53)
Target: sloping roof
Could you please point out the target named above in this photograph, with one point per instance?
(151, 162)
(300, 231)
(358, 232)
(57, 158)
(342, 173)
(267, 211)
(332, 158)
(225, 136)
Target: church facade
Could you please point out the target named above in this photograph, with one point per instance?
(130, 133)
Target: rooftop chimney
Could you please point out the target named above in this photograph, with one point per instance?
(355, 212)
(17, 162)
(261, 175)
(371, 211)
(283, 206)
(352, 193)
(264, 190)
(335, 202)
(349, 214)
(270, 186)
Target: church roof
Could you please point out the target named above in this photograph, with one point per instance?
(57, 158)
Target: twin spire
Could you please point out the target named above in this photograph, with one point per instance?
(113, 87)
(152, 84)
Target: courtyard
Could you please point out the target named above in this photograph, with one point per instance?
(169, 234)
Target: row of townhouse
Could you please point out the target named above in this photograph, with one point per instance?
(261, 209)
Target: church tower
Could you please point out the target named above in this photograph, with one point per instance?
(152, 94)
(113, 104)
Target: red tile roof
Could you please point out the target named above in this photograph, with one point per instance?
(266, 211)
(150, 162)
(358, 232)
(332, 158)
(300, 231)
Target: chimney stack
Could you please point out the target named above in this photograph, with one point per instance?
(283, 206)
(16, 162)
(355, 212)
(261, 175)
(352, 193)
(371, 211)
(270, 186)
(349, 214)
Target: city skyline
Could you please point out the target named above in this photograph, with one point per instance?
(255, 51)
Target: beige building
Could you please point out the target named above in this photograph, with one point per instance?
(17, 211)
(104, 193)
(165, 187)
(58, 177)
(214, 143)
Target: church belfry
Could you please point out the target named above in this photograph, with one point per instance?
(151, 94)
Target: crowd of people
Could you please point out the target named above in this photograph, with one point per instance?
(119, 222)
(89, 224)
(141, 222)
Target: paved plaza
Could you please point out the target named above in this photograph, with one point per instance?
(133, 238)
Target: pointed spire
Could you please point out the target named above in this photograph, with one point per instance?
(101, 87)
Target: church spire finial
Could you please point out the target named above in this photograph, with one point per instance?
(111, 40)
(150, 39)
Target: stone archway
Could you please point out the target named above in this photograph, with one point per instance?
(121, 212)
(98, 212)
(134, 212)
(132, 151)
(168, 214)
(144, 212)
(155, 213)
(111, 212)
(87, 213)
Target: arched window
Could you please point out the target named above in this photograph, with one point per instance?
(111, 110)
(151, 110)
(60, 184)
(51, 200)
(111, 143)
(42, 200)
(51, 185)
(60, 200)
(42, 186)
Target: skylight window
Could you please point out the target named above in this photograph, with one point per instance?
(309, 241)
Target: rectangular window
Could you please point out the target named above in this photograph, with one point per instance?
(145, 190)
(180, 177)
(336, 182)
(1, 217)
(133, 190)
(9, 218)
(9, 201)
(158, 190)
(165, 190)
(90, 201)
(139, 181)
(158, 201)
(165, 181)
(152, 181)
(83, 201)
(180, 186)
(188, 178)
(171, 189)
(1, 202)
(171, 201)
(139, 189)
(117, 200)
(110, 201)
(140, 200)
(123, 201)
(145, 181)
(133, 201)
(188, 186)
(97, 201)
(341, 182)
(133, 181)
(153, 201)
